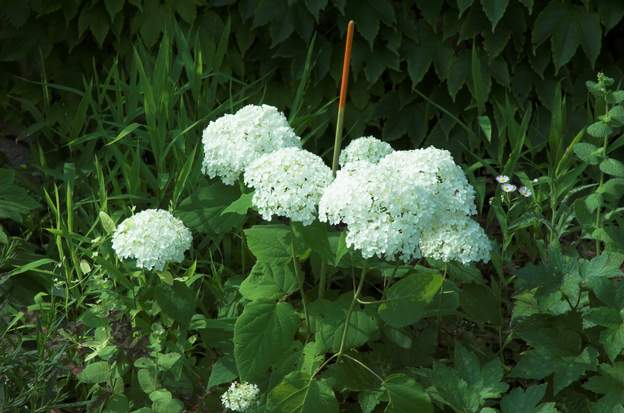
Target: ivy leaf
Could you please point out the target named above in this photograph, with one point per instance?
(568, 27)
(299, 393)
(609, 382)
(611, 13)
(430, 10)
(405, 395)
(96, 20)
(113, 7)
(315, 7)
(407, 299)
(494, 10)
(265, 328)
(269, 280)
(367, 19)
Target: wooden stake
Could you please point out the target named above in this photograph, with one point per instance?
(343, 95)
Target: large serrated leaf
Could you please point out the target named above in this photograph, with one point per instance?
(300, 393)
(407, 299)
(262, 333)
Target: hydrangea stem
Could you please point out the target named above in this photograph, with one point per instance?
(300, 280)
(356, 295)
(343, 96)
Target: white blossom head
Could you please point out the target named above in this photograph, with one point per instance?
(240, 397)
(153, 238)
(389, 205)
(289, 183)
(525, 191)
(458, 239)
(502, 179)
(508, 187)
(235, 140)
(367, 148)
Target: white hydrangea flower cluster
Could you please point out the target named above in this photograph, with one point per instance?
(393, 208)
(367, 148)
(235, 140)
(153, 237)
(456, 239)
(289, 183)
(240, 397)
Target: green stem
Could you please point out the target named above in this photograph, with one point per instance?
(338, 139)
(604, 150)
(364, 366)
(300, 279)
(440, 300)
(356, 294)
(322, 280)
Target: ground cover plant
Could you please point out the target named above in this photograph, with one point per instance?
(177, 239)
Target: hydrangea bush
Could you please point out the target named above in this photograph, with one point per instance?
(383, 208)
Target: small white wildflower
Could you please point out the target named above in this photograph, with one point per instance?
(366, 148)
(235, 140)
(153, 237)
(289, 183)
(508, 187)
(456, 239)
(525, 192)
(535, 180)
(502, 179)
(240, 397)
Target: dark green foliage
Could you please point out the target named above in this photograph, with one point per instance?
(521, 49)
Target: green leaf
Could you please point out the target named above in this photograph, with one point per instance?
(147, 380)
(14, 200)
(613, 167)
(223, 371)
(4, 239)
(269, 280)
(523, 401)
(494, 10)
(202, 210)
(405, 395)
(463, 5)
(480, 304)
(299, 393)
(539, 364)
(587, 152)
(270, 242)
(568, 27)
(599, 129)
(240, 206)
(97, 372)
(265, 328)
(113, 7)
(367, 19)
(328, 320)
(167, 360)
(407, 299)
(176, 301)
(486, 126)
(117, 403)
